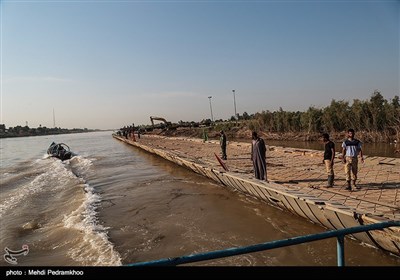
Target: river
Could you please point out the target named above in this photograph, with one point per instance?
(370, 149)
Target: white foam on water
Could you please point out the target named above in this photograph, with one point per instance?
(96, 249)
(43, 157)
(12, 199)
(56, 175)
(55, 172)
(81, 164)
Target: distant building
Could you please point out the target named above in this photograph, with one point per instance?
(2, 128)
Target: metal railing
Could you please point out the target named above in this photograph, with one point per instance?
(339, 234)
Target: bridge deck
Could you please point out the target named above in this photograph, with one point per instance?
(301, 170)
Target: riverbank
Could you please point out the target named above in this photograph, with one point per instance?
(244, 132)
(294, 140)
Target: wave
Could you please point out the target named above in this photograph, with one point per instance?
(61, 184)
(84, 219)
(46, 175)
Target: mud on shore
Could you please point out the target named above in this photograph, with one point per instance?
(243, 133)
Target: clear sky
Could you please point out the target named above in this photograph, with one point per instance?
(106, 64)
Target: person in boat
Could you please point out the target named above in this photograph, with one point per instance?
(61, 152)
(351, 148)
(258, 156)
(329, 157)
(58, 151)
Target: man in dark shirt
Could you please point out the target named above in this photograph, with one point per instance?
(329, 158)
(258, 156)
(222, 142)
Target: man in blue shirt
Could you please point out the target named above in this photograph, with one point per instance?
(351, 149)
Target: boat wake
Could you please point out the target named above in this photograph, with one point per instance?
(55, 196)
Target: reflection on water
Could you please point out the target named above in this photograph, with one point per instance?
(370, 149)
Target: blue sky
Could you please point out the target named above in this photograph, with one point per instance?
(106, 64)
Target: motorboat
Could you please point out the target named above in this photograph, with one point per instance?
(60, 150)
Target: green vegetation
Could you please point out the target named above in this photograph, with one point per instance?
(19, 131)
(376, 120)
(376, 116)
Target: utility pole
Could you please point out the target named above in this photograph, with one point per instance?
(212, 117)
(234, 104)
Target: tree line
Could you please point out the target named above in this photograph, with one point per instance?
(377, 118)
(19, 131)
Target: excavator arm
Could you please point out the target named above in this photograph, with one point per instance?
(152, 119)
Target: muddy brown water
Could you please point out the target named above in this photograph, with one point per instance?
(114, 205)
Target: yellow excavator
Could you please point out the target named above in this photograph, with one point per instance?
(167, 124)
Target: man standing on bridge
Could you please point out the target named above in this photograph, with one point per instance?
(329, 157)
(258, 156)
(351, 149)
(222, 142)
